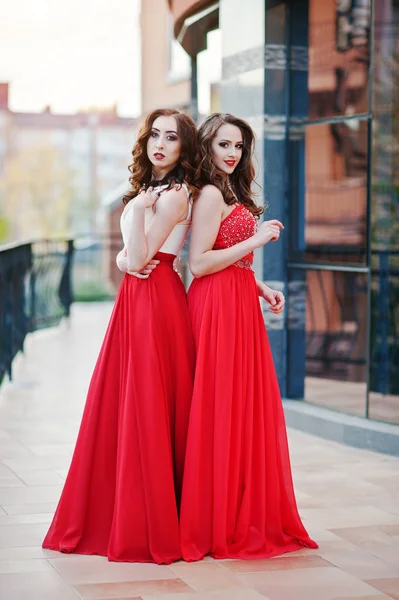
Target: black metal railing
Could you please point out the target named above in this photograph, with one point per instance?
(35, 292)
(95, 275)
(37, 279)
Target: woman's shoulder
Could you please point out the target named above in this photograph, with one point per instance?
(176, 191)
(210, 188)
(209, 203)
(210, 195)
(172, 199)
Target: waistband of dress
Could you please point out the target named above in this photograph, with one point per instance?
(164, 257)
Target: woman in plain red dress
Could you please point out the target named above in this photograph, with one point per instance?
(123, 488)
(238, 499)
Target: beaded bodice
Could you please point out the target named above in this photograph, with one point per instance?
(239, 225)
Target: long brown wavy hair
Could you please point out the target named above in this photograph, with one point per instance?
(183, 172)
(237, 186)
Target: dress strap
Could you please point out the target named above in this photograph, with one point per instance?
(190, 204)
(185, 187)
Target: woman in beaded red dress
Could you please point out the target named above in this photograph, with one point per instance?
(238, 499)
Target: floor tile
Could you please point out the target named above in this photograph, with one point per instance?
(97, 569)
(339, 517)
(24, 553)
(378, 597)
(361, 536)
(46, 585)
(336, 546)
(389, 586)
(37, 463)
(22, 535)
(40, 477)
(390, 554)
(21, 519)
(277, 564)
(107, 591)
(31, 508)
(362, 564)
(31, 494)
(308, 584)
(51, 449)
(206, 576)
(244, 594)
(11, 481)
(24, 566)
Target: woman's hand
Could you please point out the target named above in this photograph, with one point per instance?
(274, 298)
(269, 231)
(121, 262)
(146, 272)
(146, 199)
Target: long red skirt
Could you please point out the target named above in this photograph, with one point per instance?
(123, 488)
(238, 498)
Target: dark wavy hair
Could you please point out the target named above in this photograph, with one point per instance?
(183, 172)
(239, 184)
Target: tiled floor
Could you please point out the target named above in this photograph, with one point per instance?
(349, 500)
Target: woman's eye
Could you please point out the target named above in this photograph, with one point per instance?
(171, 138)
(154, 134)
(223, 144)
(239, 146)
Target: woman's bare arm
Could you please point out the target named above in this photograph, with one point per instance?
(170, 209)
(207, 216)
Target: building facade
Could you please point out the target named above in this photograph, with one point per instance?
(318, 81)
(84, 155)
(165, 67)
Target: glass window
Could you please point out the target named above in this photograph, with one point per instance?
(335, 194)
(384, 351)
(338, 57)
(331, 309)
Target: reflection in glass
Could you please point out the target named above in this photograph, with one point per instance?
(384, 351)
(336, 192)
(384, 366)
(336, 340)
(338, 57)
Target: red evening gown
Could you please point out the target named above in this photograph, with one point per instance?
(123, 488)
(238, 499)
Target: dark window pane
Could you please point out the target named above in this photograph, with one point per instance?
(338, 57)
(384, 375)
(333, 218)
(334, 339)
(384, 351)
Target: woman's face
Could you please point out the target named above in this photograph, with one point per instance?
(227, 147)
(163, 145)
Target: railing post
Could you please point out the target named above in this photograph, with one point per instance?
(65, 293)
(32, 293)
(8, 325)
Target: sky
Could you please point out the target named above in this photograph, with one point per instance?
(71, 54)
